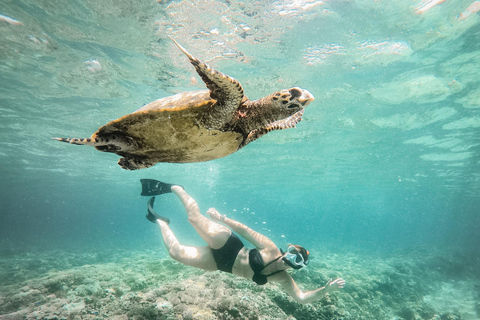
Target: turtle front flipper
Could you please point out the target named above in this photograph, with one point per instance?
(286, 123)
(227, 91)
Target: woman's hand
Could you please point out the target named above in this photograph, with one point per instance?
(334, 285)
(215, 215)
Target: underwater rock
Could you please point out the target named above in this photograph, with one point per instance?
(19, 315)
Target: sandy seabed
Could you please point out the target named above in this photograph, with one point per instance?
(124, 285)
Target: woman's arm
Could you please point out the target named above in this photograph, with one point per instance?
(294, 291)
(255, 238)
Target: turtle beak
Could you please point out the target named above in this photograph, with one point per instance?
(305, 98)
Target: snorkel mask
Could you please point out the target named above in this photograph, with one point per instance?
(294, 258)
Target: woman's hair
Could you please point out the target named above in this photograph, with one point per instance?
(304, 252)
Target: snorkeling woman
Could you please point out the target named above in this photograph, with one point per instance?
(226, 252)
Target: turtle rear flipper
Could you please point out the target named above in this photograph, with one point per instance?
(112, 142)
(79, 141)
(131, 163)
(227, 91)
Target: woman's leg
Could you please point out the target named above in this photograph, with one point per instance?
(215, 234)
(198, 257)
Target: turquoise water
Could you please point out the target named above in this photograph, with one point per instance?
(386, 158)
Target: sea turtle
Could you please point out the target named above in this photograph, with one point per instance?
(197, 126)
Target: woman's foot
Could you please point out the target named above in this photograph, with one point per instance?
(152, 215)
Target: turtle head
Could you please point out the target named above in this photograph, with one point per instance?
(280, 110)
(291, 100)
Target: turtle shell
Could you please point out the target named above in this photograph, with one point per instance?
(171, 130)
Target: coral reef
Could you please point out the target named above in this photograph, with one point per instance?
(144, 286)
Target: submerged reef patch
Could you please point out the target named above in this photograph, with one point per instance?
(408, 286)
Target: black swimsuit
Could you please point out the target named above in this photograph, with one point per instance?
(257, 265)
(226, 255)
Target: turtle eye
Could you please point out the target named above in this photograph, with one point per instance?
(293, 105)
